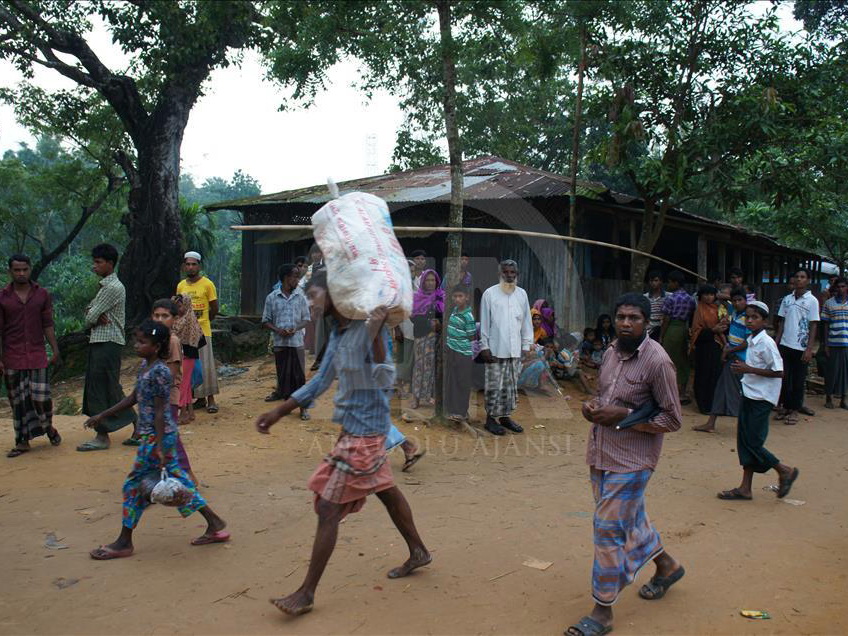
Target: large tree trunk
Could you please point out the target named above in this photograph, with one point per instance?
(150, 266)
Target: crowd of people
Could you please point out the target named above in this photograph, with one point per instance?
(639, 360)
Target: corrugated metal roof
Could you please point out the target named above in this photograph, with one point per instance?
(485, 178)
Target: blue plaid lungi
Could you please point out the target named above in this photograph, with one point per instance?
(625, 541)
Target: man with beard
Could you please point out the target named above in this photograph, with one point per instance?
(506, 332)
(637, 383)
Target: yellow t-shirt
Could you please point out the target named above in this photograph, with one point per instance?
(202, 293)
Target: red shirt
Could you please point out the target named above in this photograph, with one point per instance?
(22, 326)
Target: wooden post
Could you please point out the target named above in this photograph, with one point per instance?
(737, 257)
(757, 278)
(702, 256)
(616, 257)
(632, 241)
(722, 261)
(248, 304)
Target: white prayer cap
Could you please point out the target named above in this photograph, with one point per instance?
(194, 255)
(760, 304)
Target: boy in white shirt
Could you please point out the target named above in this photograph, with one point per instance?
(762, 374)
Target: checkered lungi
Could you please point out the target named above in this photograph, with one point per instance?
(29, 396)
(501, 388)
(625, 541)
(356, 467)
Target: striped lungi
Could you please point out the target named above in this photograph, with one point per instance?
(29, 397)
(625, 541)
(210, 373)
(501, 391)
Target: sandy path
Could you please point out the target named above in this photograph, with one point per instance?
(482, 506)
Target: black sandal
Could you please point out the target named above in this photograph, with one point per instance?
(55, 438)
(511, 424)
(786, 484)
(733, 495)
(656, 588)
(17, 452)
(588, 626)
(411, 461)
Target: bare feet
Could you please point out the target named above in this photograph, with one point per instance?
(704, 428)
(418, 559)
(666, 565)
(295, 604)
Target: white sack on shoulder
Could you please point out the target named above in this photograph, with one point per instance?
(366, 266)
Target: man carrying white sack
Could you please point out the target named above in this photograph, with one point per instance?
(506, 332)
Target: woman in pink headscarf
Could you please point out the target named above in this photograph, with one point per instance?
(548, 318)
(428, 305)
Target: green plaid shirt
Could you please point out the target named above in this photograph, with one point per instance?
(110, 300)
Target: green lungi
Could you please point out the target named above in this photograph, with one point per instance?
(103, 386)
(751, 433)
(676, 345)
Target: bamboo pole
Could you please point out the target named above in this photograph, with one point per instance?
(480, 230)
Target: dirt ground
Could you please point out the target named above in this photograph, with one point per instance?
(482, 506)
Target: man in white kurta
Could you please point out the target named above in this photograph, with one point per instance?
(506, 332)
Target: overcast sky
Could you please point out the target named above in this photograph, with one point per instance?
(237, 125)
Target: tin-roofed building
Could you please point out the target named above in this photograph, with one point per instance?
(499, 193)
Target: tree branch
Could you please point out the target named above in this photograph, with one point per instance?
(120, 91)
(87, 212)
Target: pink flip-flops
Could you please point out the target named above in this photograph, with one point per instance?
(222, 536)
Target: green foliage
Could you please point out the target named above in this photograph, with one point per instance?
(66, 405)
(211, 233)
(829, 17)
(198, 228)
(43, 191)
(72, 285)
(794, 185)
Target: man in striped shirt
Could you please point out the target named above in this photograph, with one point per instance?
(461, 331)
(835, 338)
(636, 375)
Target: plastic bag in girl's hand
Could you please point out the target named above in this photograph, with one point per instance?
(366, 266)
(148, 483)
(170, 491)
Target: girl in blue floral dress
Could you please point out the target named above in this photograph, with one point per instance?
(158, 434)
